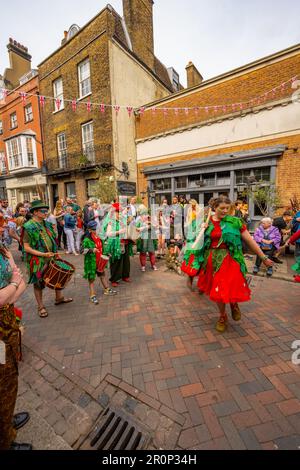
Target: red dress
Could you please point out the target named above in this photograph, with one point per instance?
(227, 285)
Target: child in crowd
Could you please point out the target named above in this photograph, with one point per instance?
(94, 262)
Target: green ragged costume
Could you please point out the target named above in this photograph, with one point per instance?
(41, 237)
(113, 245)
(89, 259)
(147, 243)
(231, 236)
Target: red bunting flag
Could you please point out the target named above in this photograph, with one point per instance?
(102, 108)
(23, 97)
(153, 111)
(186, 110)
(42, 100)
(117, 109)
(224, 109)
(142, 111)
(129, 110)
(283, 88)
(88, 106)
(74, 105)
(176, 111)
(206, 109)
(196, 110)
(216, 109)
(58, 103)
(165, 111)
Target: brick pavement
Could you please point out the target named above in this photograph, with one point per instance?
(238, 390)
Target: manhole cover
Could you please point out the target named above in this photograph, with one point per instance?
(116, 430)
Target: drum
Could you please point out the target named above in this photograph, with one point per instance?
(102, 264)
(58, 273)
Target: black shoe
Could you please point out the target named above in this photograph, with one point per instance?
(277, 260)
(20, 419)
(17, 446)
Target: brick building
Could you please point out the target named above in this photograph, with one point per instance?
(202, 153)
(108, 61)
(21, 149)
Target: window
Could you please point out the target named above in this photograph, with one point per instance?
(209, 179)
(28, 113)
(262, 174)
(223, 178)
(3, 169)
(88, 141)
(13, 121)
(91, 186)
(1, 128)
(29, 149)
(58, 93)
(84, 76)
(13, 193)
(181, 182)
(70, 190)
(14, 150)
(241, 176)
(162, 184)
(62, 150)
(195, 181)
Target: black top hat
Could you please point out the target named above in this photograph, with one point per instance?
(36, 205)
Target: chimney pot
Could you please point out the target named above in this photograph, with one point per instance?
(194, 77)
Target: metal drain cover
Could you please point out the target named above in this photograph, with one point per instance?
(116, 430)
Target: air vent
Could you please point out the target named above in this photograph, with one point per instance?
(116, 430)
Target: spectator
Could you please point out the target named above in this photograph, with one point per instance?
(12, 286)
(283, 224)
(70, 221)
(268, 238)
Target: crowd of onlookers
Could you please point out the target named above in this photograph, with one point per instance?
(170, 223)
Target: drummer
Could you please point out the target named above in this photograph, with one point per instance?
(94, 263)
(40, 247)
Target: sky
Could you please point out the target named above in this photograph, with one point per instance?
(216, 35)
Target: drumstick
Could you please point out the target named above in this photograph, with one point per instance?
(194, 246)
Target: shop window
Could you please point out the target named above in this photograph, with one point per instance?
(181, 182)
(223, 178)
(209, 179)
(162, 184)
(262, 174)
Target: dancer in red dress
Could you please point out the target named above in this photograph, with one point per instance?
(223, 270)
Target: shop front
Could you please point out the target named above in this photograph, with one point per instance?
(204, 178)
(26, 188)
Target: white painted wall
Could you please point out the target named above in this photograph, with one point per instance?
(266, 124)
(133, 85)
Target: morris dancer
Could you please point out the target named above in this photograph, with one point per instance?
(93, 262)
(192, 228)
(147, 243)
(223, 269)
(39, 246)
(117, 246)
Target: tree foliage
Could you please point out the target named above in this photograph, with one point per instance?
(266, 196)
(105, 189)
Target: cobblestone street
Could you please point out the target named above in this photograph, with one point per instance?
(153, 350)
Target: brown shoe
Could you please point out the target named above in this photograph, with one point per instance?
(221, 325)
(235, 312)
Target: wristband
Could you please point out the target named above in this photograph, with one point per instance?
(265, 257)
(14, 284)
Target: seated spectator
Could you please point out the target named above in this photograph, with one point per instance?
(268, 238)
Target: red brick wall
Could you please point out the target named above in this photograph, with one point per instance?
(237, 89)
